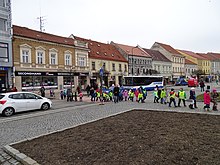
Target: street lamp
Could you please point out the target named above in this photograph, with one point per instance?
(71, 84)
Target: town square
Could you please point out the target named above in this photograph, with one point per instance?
(120, 82)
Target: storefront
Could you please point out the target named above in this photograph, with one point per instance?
(5, 78)
(50, 80)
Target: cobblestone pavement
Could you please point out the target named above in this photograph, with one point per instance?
(65, 115)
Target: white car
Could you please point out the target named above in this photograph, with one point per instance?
(13, 102)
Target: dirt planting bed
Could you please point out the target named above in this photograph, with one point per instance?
(135, 137)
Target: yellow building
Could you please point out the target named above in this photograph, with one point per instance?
(203, 63)
(42, 59)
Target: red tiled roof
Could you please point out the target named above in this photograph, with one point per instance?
(131, 49)
(192, 54)
(189, 62)
(34, 34)
(103, 51)
(204, 56)
(169, 48)
(156, 55)
(212, 56)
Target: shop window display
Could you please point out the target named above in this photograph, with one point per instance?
(35, 82)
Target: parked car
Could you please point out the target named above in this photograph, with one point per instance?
(192, 82)
(181, 82)
(13, 102)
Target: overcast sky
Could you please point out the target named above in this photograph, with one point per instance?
(184, 24)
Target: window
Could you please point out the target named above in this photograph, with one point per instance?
(3, 52)
(104, 66)
(68, 59)
(120, 68)
(81, 61)
(53, 59)
(40, 57)
(2, 3)
(125, 68)
(93, 65)
(25, 56)
(113, 67)
(30, 96)
(16, 96)
(3, 23)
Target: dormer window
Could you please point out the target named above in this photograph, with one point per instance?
(112, 55)
(105, 54)
(98, 45)
(97, 52)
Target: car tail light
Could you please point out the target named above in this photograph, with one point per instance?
(2, 102)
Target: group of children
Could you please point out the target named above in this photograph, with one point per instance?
(160, 96)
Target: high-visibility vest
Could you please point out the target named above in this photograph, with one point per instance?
(155, 93)
(172, 95)
(131, 94)
(163, 94)
(182, 94)
(140, 95)
(98, 94)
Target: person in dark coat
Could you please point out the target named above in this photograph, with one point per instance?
(116, 91)
(42, 91)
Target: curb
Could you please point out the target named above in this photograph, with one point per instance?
(24, 159)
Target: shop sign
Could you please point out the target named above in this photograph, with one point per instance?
(18, 73)
(23, 73)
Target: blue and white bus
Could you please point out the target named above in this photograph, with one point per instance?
(147, 82)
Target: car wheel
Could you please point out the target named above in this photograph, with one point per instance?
(45, 106)
(8, 111)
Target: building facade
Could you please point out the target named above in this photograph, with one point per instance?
(190, 67)
(215, 64)
(202, 62)
(42, 59)
(107, 57)
(178, 60)
(6, 61)
(160, 63)
(139, 61)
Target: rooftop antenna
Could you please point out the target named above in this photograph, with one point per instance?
(41, 19)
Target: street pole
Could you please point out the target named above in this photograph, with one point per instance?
(71, 79)
(132, 70)
(101, 72)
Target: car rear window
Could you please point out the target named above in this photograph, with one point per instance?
(1, 96)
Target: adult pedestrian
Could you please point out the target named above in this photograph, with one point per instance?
(88, 89)
(42, 91)
(69, 94)
(116, 93)
(192, 96)
(202, 85)
(214, 96)
(182, 97)
(172, 96)
(207, 100)
(61, 94)
(92, 94)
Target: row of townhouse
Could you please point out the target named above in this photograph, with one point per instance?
(61, 62)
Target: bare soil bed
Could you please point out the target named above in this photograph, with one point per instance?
(136, 137)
